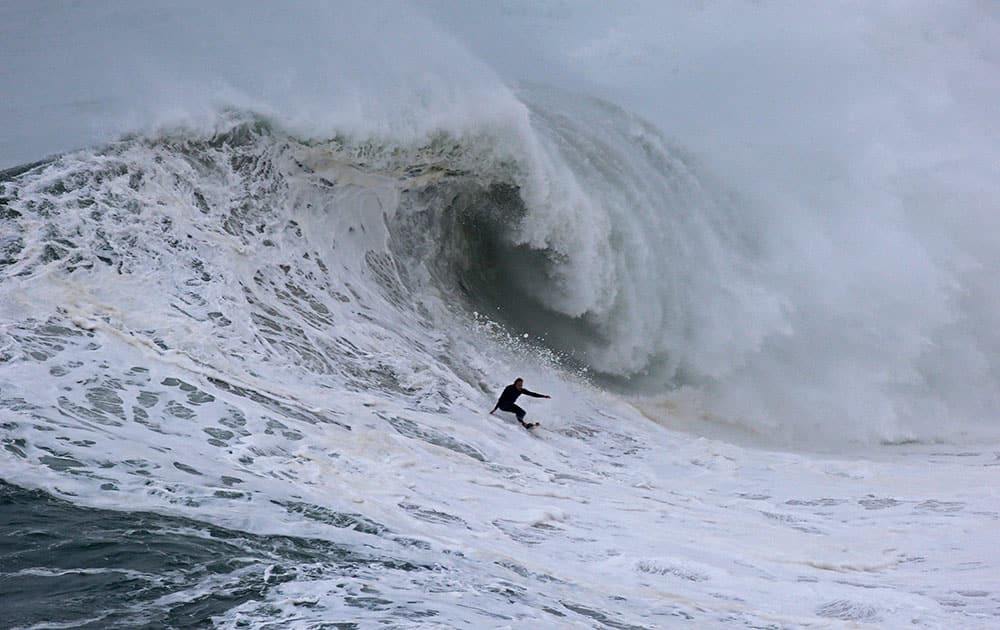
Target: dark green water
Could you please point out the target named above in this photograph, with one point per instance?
(88, 568)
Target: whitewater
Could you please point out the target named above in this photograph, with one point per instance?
(264, 271)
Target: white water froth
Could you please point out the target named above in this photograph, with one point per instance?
(215, 331)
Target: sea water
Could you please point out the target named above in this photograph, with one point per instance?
(265, 269)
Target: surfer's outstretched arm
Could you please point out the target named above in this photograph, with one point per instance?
(533, 394)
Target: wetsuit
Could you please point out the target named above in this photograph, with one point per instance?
(509, 395)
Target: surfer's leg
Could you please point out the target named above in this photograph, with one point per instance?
(517, 411)
(520, 413)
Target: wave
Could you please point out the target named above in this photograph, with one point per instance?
(577, 230)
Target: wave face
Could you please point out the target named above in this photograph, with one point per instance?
(580, 227)
(588, 236)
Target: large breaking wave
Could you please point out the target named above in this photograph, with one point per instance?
(854, 305)
(576, 228)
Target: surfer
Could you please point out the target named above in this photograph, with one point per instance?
(510, 394)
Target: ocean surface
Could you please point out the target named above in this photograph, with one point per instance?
(264, 270)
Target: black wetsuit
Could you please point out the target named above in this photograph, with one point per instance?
(509, 395)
